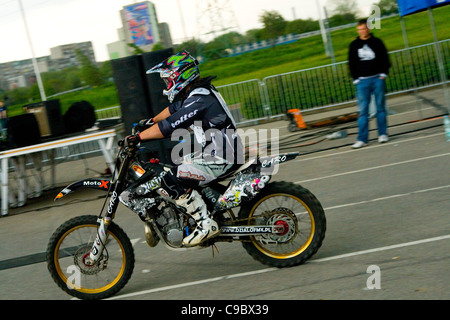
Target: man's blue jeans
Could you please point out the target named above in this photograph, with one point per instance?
(364, 90)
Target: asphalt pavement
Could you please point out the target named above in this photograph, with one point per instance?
(387, 205)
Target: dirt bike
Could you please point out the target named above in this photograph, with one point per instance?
(280, 224)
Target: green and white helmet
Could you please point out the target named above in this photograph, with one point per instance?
(177, 71)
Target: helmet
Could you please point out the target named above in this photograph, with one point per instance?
(177, 71)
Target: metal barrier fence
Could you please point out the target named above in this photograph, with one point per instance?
(108, 112)
(331, 85)
(314, 88)
(326, 86)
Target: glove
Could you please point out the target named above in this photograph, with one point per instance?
(144, 124)
(132, 141)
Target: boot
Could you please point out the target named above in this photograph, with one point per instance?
(206, 227)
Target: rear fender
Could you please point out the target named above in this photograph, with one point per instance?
(93, 183)
(267, 162)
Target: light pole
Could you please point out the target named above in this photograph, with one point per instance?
(35, 65)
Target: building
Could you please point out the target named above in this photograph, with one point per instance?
(65, 55)
(118, 49)
(20, 74)
(164, 34)
(140, 28)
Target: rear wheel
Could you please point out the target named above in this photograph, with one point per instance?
(68, 249)
(300, 214)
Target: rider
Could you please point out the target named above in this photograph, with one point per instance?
(195, 104)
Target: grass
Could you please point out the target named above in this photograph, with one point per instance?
(309, 52)
(302, 54)
(100, 97)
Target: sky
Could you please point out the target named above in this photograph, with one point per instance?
(52, 23)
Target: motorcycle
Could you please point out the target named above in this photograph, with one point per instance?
(280, 224)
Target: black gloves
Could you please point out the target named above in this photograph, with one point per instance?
(144, 124)
(132, 141)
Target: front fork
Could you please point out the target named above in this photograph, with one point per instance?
(102, 230)
(99, 243)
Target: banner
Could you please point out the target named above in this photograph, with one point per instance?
(412, 6)
(138, 20)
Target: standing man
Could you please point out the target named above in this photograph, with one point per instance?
(369, 66)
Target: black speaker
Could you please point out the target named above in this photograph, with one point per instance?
(129, 78)
(79, 117)
(23, 130)
(48, 116)
(140, 95)
(155, 85)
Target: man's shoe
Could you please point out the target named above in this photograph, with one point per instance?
(205, 229)
(383, 138)
(359, 144)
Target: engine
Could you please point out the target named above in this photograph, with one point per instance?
(171, 224)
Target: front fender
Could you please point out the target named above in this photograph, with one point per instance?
(94, 183)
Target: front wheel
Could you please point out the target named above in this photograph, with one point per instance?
(300, 214)
(68, 249)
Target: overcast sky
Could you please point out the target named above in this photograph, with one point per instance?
(57, 22)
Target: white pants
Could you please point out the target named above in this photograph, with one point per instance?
(200, 170)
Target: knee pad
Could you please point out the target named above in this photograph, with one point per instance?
(171, 185)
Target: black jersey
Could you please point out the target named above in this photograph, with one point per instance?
(205, 112)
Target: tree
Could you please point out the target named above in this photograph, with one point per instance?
(253, 35)
(344, 7)
(301, 26)
(157, 46)
(193, 46)
(274, 24)
(136, 50)
(341, 19)
(388, 7)
(225, 41)
(90, 74)
(106, 70)
(344, 12)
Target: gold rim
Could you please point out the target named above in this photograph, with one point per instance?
(81, 289)
(258, 244)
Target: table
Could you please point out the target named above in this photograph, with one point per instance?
(105, 141)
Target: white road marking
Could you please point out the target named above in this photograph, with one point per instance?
(342, 256)
(395, 246)
(389, 144)
(251, 273)
(385, 198)
(373, 168)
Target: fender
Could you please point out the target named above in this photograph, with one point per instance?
(267, 162)
(94, 183)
